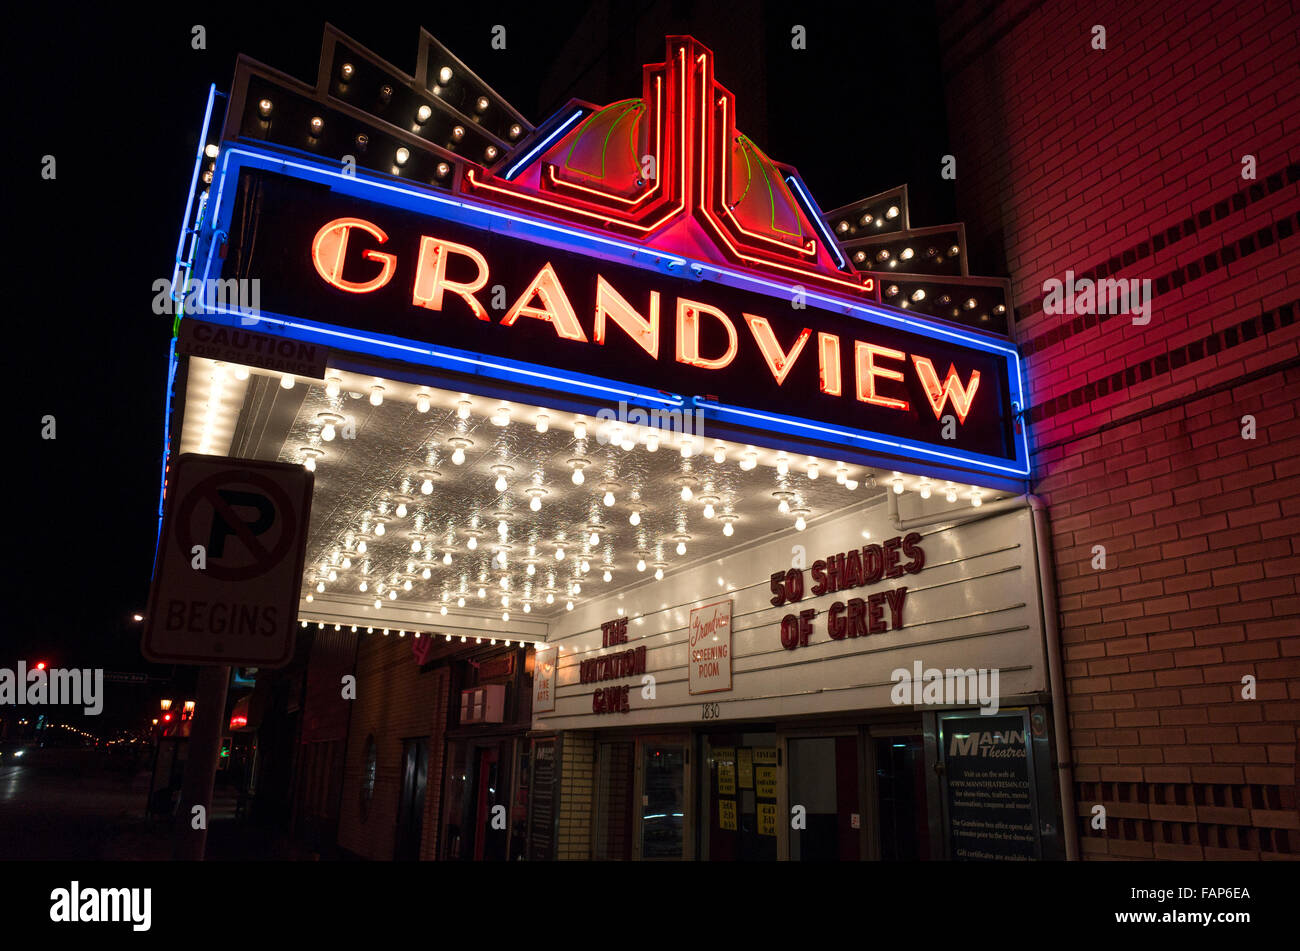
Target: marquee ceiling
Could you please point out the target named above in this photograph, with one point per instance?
(381, 458)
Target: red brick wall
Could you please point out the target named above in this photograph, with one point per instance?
(1127, 163)
(395, 701)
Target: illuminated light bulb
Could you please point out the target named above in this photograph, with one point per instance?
(728, 529)
(851, 484)
(634, 518)
(688, 449)
(444, 77)
(446, 558)
(406, 585)
(659, 574)
(501, 417)
(460, 602)
(898, 486)
(264, 107)
(505, 600)
(415, 545)
(458, 132)
(442, 169)
(687, 494)
(482, 592)
(559, 554)
(578, 477)
(422, 114)
(748, 461)
(906, 254)
(332, 387)
(719, 453)
(609, 498)
(892, 212)
(426, 487)
(607, 576)
(458, 457)
(505, 616)
(379, 528)
(800, 524)
(628, 444)
(783, 507)
(427, 573)
(813, 470)
(376, 395)
(401, 510)
(502, 528)
(334, 575)
(462, 409)
(951, 492)
(347, 562)
(392, 595)
(708, 510)
(320, 586)
(918, 294)
(241, 373)
(422, 402)
(782, 465)
(595, 539)
(640, 564)
(550, 598)
(528, 609)
(585, 566)
(681, 548)
(515, 131)
(580, 430)
(975, 499)
(543, 422)
(481, 103)
(925, 488)
(361, 547)
(472, 543)
(310, 464)
(378, 603)
(328, 432)
(402, 155)
(577, 588)
(500, 484)
(536, 503)
(652, 442)
(568, 605)
(286, 381)
(841, 474)
(531, 569)
(443, 611)
(501, 557)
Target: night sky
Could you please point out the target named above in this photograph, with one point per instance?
(118, 101)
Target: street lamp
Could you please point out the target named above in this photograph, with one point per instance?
(189, 709)
(166, 705)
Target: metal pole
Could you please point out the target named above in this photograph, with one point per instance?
(201, 766)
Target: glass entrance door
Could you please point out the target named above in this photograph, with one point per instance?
(824, 780)
(662, 818)
(903, 829)
(738, 797)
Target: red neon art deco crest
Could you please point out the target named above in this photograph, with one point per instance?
(671, 171)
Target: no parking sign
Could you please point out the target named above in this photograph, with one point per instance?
(225, 590)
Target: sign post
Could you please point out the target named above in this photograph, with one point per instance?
(224, 594)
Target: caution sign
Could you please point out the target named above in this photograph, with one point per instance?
(230, 560)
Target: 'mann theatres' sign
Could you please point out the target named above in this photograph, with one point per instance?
(481, 292)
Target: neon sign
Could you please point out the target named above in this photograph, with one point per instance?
(545, 299)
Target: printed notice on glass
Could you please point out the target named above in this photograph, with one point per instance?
(727, 814)
(767, 818)
(745, 767)
(990, 789)
(765, 782)
(726, 779)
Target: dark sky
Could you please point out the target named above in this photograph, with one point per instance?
(117, 99)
